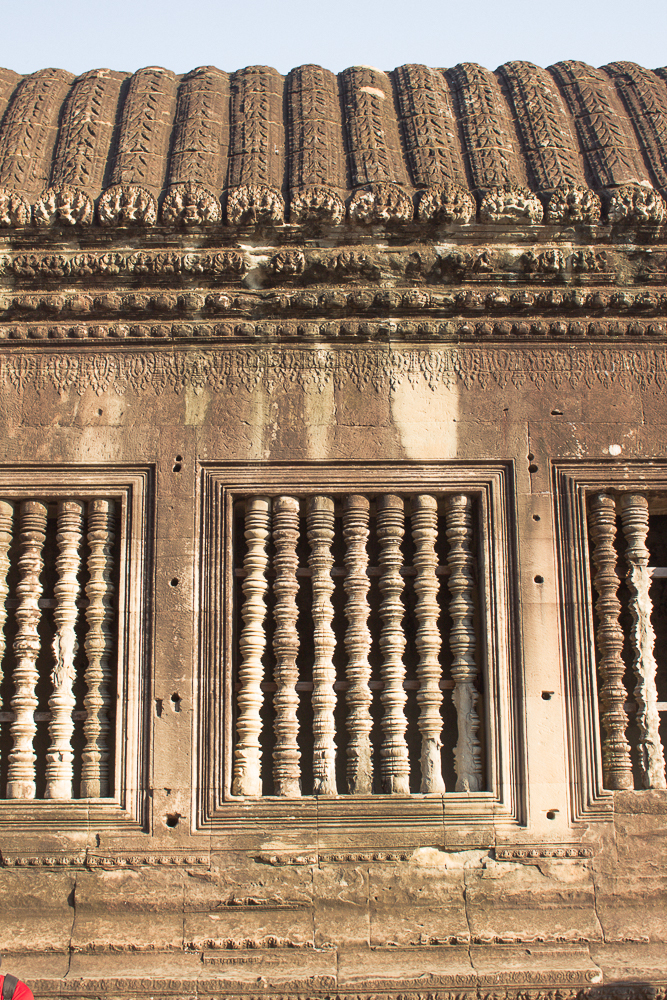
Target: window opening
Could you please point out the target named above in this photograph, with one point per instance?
(628, 539)
(357, 624)
(59, 581)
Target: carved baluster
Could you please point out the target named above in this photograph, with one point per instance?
(634, 515)
(394, 750)
(98, 644)
(60, 758)
(252, 643)
(6, 530)
(429, 696)
(21, 783)
(320, 520)
(286, 755)
(467, 754)
(357, 645)
(616, 763)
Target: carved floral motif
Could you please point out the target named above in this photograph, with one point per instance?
(316, 204)
(190, 205)
(14, 210)
(274, 369)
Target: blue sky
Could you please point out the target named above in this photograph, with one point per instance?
(126, 34)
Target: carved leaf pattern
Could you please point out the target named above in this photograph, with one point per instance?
(645, 97)
(86, 131)
(374, 146)
(429, 126)
(605, 133)
(201, 130)
(315, 137)
(487, 128)
(30, 129)
(257, 145)
(9, 81)
(145, 130)
(546, 136)
(521, 126)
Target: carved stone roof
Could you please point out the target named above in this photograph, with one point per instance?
(568, 145)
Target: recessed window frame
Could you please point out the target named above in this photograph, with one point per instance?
(131, 488)
(391, 816)
(573, 484)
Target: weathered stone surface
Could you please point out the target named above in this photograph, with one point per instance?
(37, 913)
(494, 357)
(546, 901)
(341, 905)
(422, 906)
(128, 911)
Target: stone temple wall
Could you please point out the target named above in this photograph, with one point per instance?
(333, 533)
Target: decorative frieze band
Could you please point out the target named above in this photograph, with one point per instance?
(559, 330)
(106, 861)
(275, 369)
(272, 264)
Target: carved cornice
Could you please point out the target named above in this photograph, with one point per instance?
(275, 369)
(458, 260)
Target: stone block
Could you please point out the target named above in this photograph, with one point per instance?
(36, 910)
(129, 909)
(424, 968)
(417, 905)
(511, 902)
(340, 898)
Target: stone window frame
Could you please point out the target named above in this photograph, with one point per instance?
(396, 819)
(573, 482)
(131, 487)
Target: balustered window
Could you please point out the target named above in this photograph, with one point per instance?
(361, 632)
(69, 653)
(628, 550)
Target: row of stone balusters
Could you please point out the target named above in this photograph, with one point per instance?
(616, 757)
(98, 516)
(278, 518)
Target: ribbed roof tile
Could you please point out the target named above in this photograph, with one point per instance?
(254, 147)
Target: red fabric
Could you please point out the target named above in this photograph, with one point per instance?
(22, 992)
